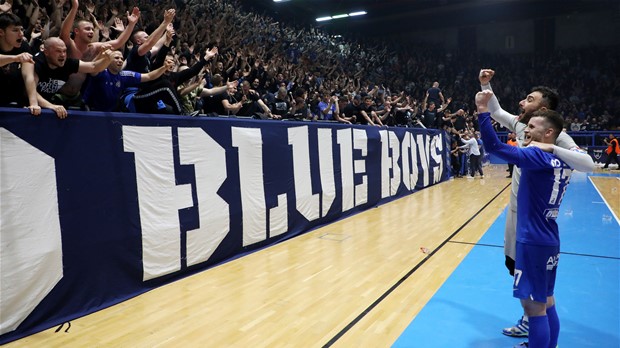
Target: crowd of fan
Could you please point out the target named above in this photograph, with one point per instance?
(214, 58)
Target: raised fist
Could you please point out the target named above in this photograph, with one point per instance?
(485, 76)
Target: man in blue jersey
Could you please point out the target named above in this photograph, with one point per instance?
(104, 88)
(544, 178)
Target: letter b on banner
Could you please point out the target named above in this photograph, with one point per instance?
(30, 240)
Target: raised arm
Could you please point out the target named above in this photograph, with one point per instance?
(132, 19)
(445, 105)
(155, 74)
(6, 7)
(156, 35)
(489, 137)
(504, 118)
(67, 26)
(164, 40)
(187, 74)
(218, 90)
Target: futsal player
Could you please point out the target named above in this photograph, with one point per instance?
(540, 98)
(544, 179)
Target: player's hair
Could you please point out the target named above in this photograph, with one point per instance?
(77, 23)
(7, 19)
(550, 97)
(552, 118)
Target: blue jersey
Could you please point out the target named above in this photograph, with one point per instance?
(544, 178)
(103, 90)
(330, 114)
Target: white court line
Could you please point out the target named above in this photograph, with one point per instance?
(604, 200)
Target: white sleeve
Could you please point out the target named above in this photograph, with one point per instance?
(567, 150)
(500, 115)
(575, 159)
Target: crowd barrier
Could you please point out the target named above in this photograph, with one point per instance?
(101, 207)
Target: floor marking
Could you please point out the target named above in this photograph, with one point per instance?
(406, 276)
(338, 237)
(478, 244)
(604, 200)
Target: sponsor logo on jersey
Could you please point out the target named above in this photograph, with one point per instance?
(552, 262)
(551, 214)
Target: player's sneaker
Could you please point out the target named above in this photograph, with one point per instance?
(522, 329)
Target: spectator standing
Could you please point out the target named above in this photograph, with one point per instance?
(613, 149)
(473, 153)
(434, 94)
(512, 141)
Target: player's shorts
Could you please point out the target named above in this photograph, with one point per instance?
(535, 271)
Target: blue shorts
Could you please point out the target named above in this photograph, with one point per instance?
(535, 270)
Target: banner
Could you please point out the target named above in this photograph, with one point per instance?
(100, 207)
(598, 153)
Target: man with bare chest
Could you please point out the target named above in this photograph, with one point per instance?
(81, 46)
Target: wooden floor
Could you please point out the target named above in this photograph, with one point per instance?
(357, 282)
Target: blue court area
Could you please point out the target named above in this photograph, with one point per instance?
(476, 302)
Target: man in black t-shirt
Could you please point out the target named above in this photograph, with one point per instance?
(212, 104)
(353, 109)
(281, 105)
(15, 52)
(369, 114)
(434, 94)
(246, 103)
(429, 115)
(52, 69)
(146, 46)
